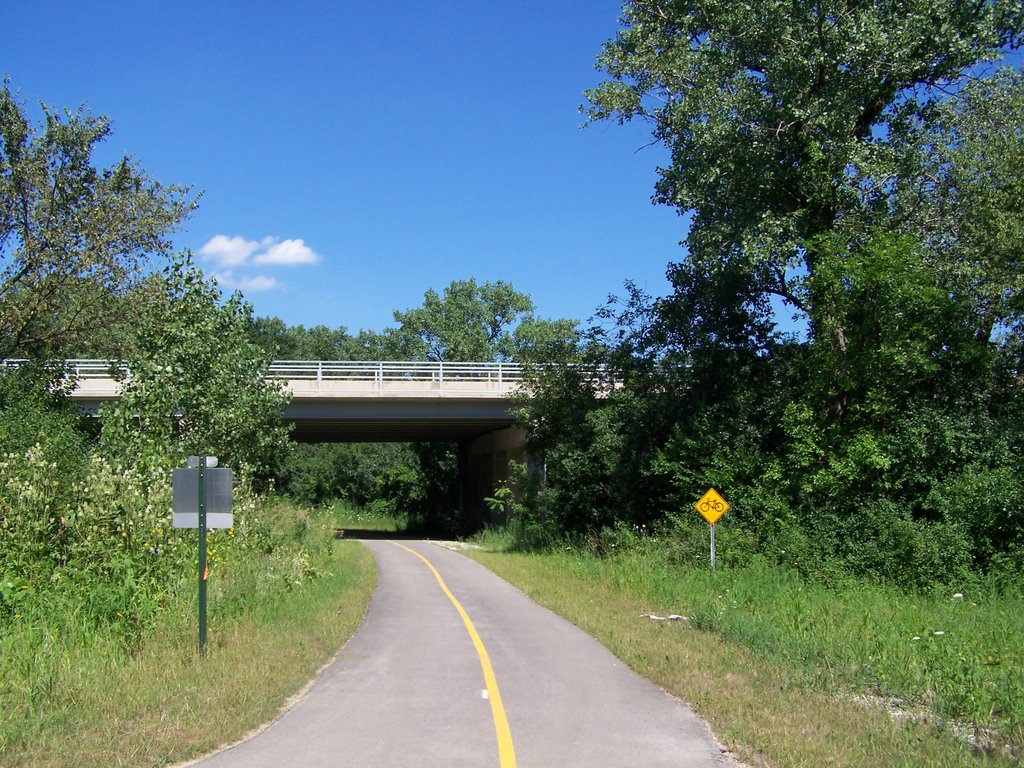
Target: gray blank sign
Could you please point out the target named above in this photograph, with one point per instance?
(185, 498)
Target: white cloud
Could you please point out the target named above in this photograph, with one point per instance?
(236, 251)
(233, 259)
(230, 251)
(257, 283)
(246, 284)
(288, 252)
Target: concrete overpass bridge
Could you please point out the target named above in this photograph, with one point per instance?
(355, 401)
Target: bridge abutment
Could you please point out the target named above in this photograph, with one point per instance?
(484, 463)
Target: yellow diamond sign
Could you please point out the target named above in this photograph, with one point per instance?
(712, 506)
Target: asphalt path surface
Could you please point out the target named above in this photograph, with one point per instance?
(455, 667)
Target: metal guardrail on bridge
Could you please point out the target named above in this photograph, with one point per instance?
(340, 378)
(78, 369)
(398, 377)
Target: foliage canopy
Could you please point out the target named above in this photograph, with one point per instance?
(74, 239)
(196, 383)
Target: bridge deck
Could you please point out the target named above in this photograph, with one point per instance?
(365, 401)
(330, 380)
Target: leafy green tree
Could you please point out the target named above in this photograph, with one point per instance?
(273, 336)
(379, 476)
(469, 322)
(967, 201)
(283, 342)
(322, 343)
(35, 414)
(786, 125)
(538, 340)
(197, 383)
(776, 115)
(74, 239)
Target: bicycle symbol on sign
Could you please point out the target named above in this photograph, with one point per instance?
(709, 506)
(712, 506)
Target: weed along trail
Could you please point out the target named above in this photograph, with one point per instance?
(455, 667)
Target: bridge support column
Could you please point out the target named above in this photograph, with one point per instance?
(468, 525)
(488, 461)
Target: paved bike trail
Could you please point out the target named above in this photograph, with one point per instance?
(411, 687)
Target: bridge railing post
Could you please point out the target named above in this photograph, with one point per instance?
(319, 377)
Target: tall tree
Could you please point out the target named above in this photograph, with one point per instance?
(73, 237)
(468, 322)
(319, 342)
(774, 113)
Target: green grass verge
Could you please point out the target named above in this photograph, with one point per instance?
(160, 703)
(791, 673)
(354, 519)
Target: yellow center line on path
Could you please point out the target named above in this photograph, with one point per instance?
(506, 752)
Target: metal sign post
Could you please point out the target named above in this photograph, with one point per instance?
(202, 556)
(712, 546)
(711, 507)
(202, 499)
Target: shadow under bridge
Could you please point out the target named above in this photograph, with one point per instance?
(464, 403)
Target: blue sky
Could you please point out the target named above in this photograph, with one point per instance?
(353, 155)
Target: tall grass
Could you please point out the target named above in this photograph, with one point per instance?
(961, 656)
(953, 657)
(74, 692)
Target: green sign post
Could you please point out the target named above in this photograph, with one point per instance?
(711, 507)
(202, 499)
(203, 573)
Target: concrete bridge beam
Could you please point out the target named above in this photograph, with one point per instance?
(488, 463)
